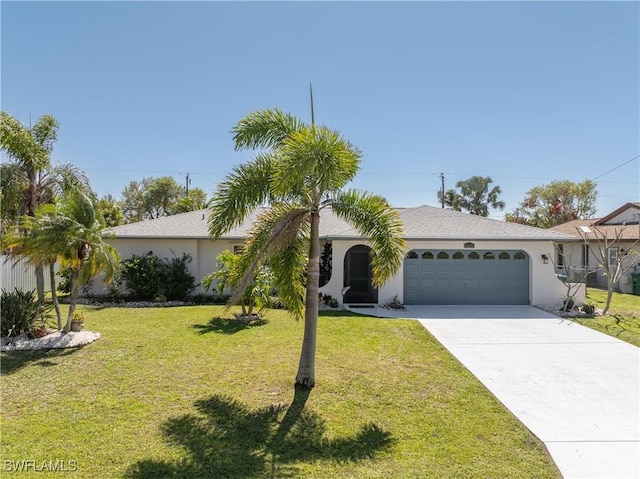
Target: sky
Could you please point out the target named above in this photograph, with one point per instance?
(523, 92)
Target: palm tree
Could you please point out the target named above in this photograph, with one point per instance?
(299, 171)
(30, 180)
(474, 196)
(68, 232)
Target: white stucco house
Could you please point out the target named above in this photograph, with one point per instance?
(623, 222)
(451, 257)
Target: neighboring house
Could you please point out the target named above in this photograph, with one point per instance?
(581, 255)
(452, 257)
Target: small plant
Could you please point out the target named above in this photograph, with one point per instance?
(160, 298)
(333, 303)
(78, 317)
(588, 309)
(568, 305)
(395, 304)
(21, 313)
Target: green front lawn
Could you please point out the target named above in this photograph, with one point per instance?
(184, 392)
(623, 318)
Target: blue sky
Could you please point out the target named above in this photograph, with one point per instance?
(524, 92)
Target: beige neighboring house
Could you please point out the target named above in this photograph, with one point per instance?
(451, 257)
(580, 255)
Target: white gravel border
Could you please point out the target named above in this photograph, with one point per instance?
(53, 340)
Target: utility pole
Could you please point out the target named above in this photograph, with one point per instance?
(313, 122)
(441, 188)
(186, 185)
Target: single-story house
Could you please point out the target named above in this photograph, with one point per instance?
(581, 256)
(451, 257)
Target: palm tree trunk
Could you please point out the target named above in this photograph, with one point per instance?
(54, 296)
(306, 368)
(73, 298)
(40, 282)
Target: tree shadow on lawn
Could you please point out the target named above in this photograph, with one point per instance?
(227, 325)
(13, 361)
(228, 440)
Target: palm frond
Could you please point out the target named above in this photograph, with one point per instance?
(315, 159)
(273, 233)
(372, 216)
(241, 192)
(264, 129)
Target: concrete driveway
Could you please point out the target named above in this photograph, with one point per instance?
(576, 389)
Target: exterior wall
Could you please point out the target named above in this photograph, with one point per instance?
(627, 216)
(203, 253)
(545, 287)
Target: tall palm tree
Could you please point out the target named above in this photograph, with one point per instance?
(70, 233)
(299, 171)
(30, 180)
(474, 197)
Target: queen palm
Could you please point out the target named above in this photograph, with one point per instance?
(29, 179)
(299, 171)
(68, 232)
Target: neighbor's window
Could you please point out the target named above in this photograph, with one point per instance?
(613, 256)
(585, 255)
(560, 256)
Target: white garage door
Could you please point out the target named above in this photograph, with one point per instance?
(466, 277)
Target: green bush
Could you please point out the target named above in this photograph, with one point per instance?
(142, 276)
(147, 277)
(20, 313)
(176, 281)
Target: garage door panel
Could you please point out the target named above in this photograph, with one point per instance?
(463, 277)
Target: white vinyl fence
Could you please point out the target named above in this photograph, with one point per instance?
(20, 275)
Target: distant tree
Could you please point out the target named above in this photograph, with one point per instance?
(197, 200)
(109, 212)
(151, 198)
(558, 202)
(474, 196)
(29, 180)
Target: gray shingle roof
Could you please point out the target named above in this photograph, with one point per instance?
(422, 222)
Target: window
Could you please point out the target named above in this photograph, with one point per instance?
(519, 255)
(443, 255)
(458, 255)
(560, 256)
(412, 255)
(613, 256)
(585, 255)
(473, 255)
(427, 255)
(489, 255)
(504, 255)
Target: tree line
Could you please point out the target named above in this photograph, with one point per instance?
(544, 206)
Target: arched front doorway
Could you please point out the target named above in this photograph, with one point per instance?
(358, 276)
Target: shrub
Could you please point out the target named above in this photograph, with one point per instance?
(20, 313)
(176, 281)
(142, 276)
(148, 277)
(64, 285)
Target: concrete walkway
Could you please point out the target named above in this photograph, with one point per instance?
(576, 389)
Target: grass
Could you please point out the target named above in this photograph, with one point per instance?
(187, 393)
(623, 318)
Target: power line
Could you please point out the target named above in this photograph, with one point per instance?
(614, 169)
